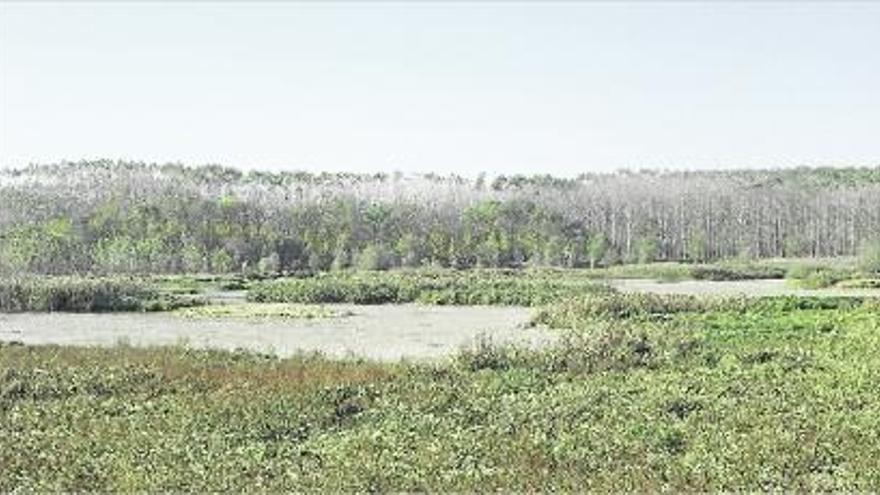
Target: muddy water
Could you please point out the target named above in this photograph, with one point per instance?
(376, 332)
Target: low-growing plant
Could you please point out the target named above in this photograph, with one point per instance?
(859, 283)
(261, 311)
(778, 399)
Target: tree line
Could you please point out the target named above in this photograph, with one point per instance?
(129, 217)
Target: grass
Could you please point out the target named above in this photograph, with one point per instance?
(445, 287)
(261, 311)
(775, 394)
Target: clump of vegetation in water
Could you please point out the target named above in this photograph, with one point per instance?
(859, 283)
(85, 294)
(262, 311)
(498, 287)
(737, 271)
(577, 311)
(775, 396)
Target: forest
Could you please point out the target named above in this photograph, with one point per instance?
(118, 217)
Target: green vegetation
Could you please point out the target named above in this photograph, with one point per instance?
(734, 271)
(500, 287)
(78, 294)
(861, 273)
(261, 311)
(667, 271)
(818, 275)
(859, 283)
(869, 257)
(771, 394)
(199, 284)
(105, 217)
(578, 311)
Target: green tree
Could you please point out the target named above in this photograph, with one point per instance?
(222, 262)
(647, 249)
(597, 248)
(697, 247)
(869, 256)
(373, 257)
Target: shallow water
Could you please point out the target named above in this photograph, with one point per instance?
(388, 332)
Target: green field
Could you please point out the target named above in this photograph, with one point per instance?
(659, 394)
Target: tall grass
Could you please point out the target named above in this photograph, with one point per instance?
(81, 294)
(737, 271)
(477, 287)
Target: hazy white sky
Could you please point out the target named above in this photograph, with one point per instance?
(523, 87)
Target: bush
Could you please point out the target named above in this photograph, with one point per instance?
(373, 257)
(270, 264)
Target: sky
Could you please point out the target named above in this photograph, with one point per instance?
(446, 87)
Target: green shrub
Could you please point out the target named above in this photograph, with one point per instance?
(373, 257)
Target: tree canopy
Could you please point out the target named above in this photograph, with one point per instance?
(130, 217)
